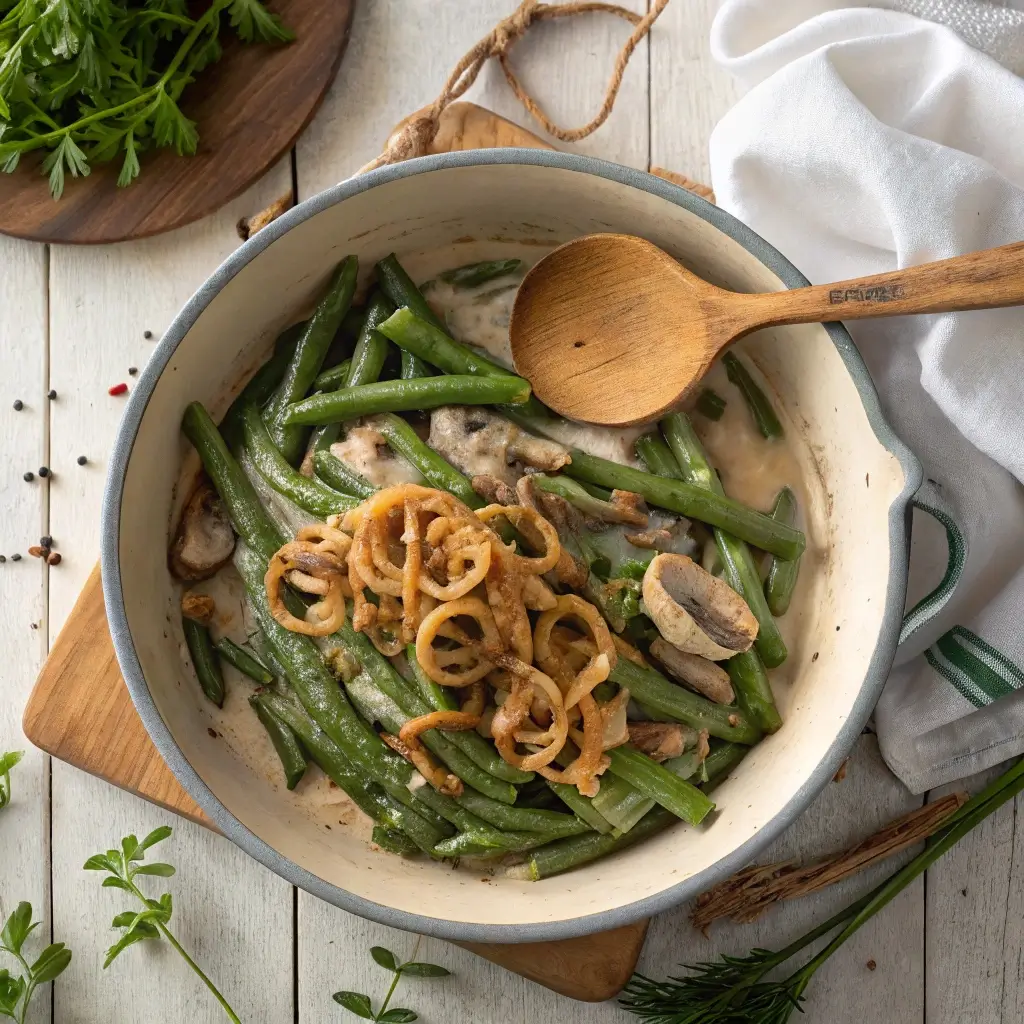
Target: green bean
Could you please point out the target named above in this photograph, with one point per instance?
(472, 744)
(653, 690)
(340, 475)
(246, 662)
(326, 434)
(372, 347)
(261, 385)
(553, 824)
(575, 851)
(621, 803)
(754, 690)
(249, 518)
(456, 749)
(204, 659)
(757, 402)
(781, 579)
(582, 806)
(398, 286)
(334, 378)
(392, 842)
(624, 806)
(660, 784)
(286, 743)
(366, 793)
(576, 494)
(308, 359)
(413, 367)
(656, 456)
(407, 396)
(690, 500)
(740, 571)
(710, 404)
(319, 694)
(466, 843)
(598, 492)
(305, 491)
(438, 472)
(474, 274)
(425, 337)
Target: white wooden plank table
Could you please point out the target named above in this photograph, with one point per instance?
(73, 320)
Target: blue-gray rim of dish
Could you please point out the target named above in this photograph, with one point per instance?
(881, 660)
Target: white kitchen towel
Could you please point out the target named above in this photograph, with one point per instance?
(872, 139)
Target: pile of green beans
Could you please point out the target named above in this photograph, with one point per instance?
(312, 716)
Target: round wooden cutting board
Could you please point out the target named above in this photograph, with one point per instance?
(250, 107)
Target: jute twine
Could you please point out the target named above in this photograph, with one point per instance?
(414, 137)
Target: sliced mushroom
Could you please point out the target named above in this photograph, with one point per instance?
(696, 612)
(480, 442)
(695, 672)
(204, 540)
(538, 452)
(661, 740)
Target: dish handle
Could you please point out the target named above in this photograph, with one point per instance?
(928, 499)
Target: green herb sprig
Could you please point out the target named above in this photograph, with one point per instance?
(732, 990)
(7, 762)
(360, 1004)
(87, 80)
(123, 867)
(16, 990)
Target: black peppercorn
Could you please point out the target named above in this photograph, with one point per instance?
(44, 472)
(15, 557)
(18, 405)
(132, 370)
(29, 476)
(81, 460)
(46, 542)
(147, 335)
(3, 558)
(51, 394)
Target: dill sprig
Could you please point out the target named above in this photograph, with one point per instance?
(732, 990)
(89, 80)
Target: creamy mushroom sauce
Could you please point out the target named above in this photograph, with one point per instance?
(752, 470)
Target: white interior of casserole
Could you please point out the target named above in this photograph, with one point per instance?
(856, 481)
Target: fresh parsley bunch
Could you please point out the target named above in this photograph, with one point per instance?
(92, 80)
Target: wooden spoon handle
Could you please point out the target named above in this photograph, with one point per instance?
(977, 280)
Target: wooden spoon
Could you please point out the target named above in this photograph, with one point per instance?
(610, 329)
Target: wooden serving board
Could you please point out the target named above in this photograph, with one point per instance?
(249, 107)
(80, 710)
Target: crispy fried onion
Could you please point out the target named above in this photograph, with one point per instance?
(423, 568)
(417, 755)
(552, 655)
(315, 563)
(511, 723)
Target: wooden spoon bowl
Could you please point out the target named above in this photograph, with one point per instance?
(610, 329)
